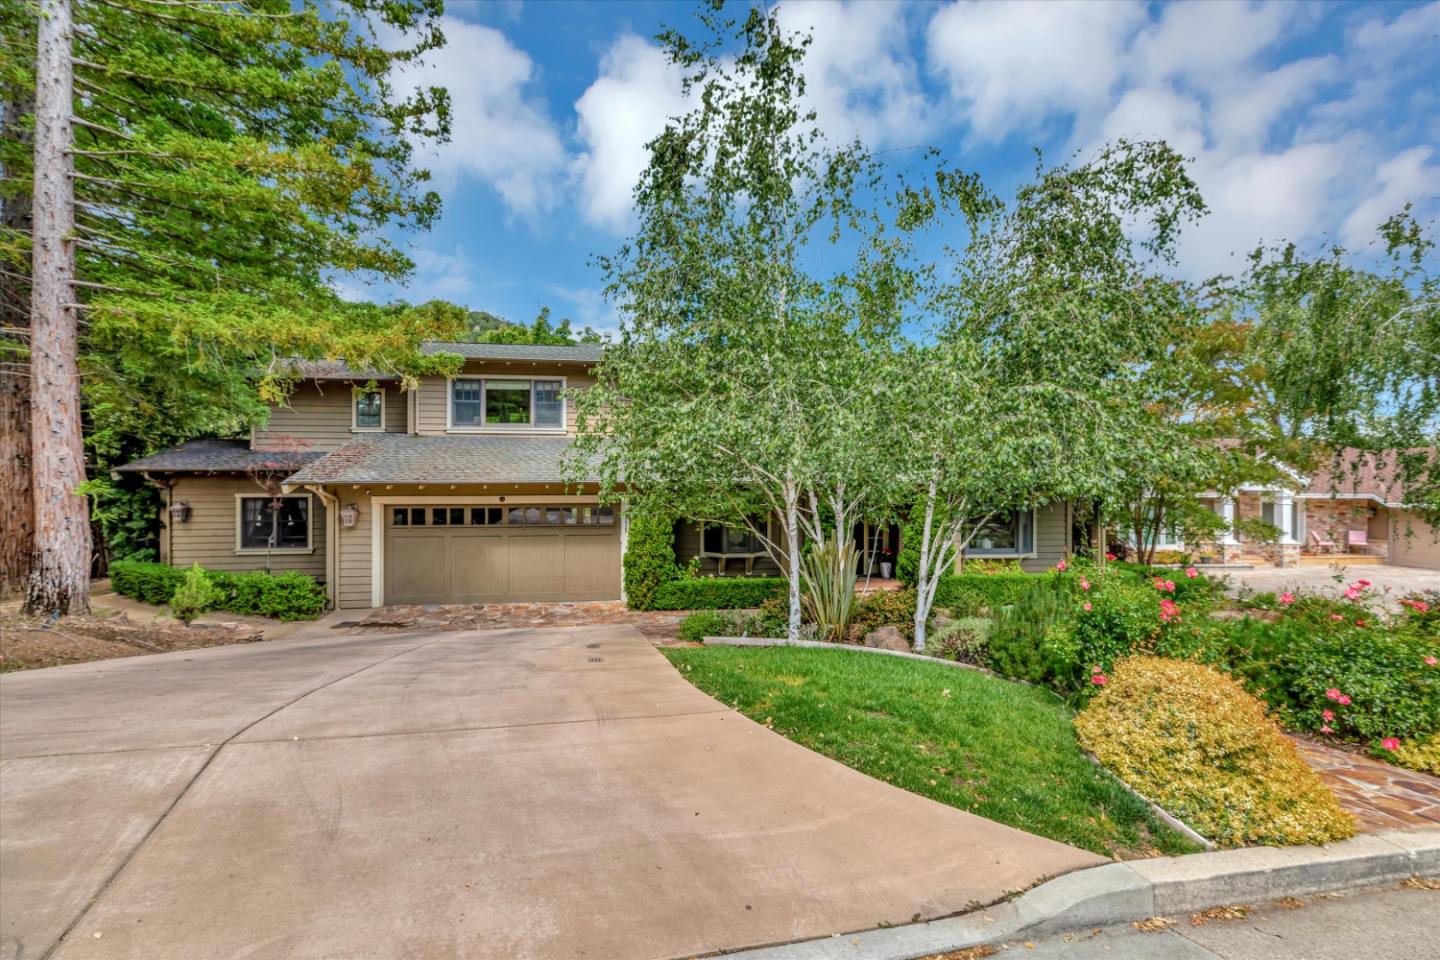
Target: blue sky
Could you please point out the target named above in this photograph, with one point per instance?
(1305, 122)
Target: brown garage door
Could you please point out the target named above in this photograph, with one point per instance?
(484, 554)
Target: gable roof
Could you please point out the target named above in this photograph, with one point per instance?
(403, 458)
(213, 456)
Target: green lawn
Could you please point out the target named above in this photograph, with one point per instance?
(995, 748)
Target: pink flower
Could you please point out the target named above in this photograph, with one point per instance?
(1191, 572)
(1328, 715)
(1170, 585)
(1061, 565)
(1086, 606)
(1344, 700)
(1352, 593)
(1332, 694)
(1362, 584)
(1419, 606)
(1360, 622)
(1431, 661)
(1390, 743)
(1084, 584)
(1109, 555)
(1336, 617)
(1099, 679)
(1164, 585)
(1287, 597)
(1327, 729)
(1169, 610)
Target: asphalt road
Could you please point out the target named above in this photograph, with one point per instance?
(1383, 923)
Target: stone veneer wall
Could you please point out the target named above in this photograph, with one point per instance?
(1333, 519)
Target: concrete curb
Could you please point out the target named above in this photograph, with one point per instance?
(1119, 893)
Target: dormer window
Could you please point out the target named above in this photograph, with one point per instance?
(507, 403)
(369, 409)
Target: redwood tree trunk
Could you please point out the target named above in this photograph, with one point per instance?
(60, 568)
(17, 507)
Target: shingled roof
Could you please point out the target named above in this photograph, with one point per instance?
(576, 353)
(213, 456)
(400, 458)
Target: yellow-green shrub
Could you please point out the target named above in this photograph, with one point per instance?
(1195, 742)
(1423, 755)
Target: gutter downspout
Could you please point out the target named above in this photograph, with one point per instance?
(332, 539)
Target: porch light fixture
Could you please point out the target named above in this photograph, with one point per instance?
(349, 514)
(180, 512)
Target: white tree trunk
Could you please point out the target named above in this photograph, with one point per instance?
(792, 550)
(922, 578)
(60, 572)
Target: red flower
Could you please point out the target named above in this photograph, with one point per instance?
(1061, 565)
(1191, 572)
(1332, 694)
(1328, 715)
(1169, 610)
(1109, 555)
(1099, 679)
(1287, 597)
(1391, 743)
(1343, 700)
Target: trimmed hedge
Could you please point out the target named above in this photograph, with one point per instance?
(649, 558)
(969, 593)
(717, 593)
(283, 596)
(1193, 740)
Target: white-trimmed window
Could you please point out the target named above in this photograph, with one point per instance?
(1009, 534)
(367, 409)
(266, 523)
(507, 403)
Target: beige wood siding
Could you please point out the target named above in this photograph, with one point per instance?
(433, 396)
(1052, 537)
(208, 536)
(319, 414)
(1413, 542)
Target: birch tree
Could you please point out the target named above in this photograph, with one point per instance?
(740, 388)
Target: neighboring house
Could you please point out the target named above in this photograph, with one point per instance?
(1357, 510)
(452, 492)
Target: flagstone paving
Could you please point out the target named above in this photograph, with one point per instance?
(1382, 797)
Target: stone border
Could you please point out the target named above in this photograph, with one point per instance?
(1174, 822)
(1118, 893)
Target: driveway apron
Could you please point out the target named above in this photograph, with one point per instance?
(552, 792)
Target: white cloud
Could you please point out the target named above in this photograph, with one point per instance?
(627, 106)
(1011, 66)
(860, 78)
(441, 275)
(499, 133)
(1409, 175)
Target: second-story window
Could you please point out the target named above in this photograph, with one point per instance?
(369, 410)
(496, 402)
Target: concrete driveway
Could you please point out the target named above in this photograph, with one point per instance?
(557, 792)
(1390, 582)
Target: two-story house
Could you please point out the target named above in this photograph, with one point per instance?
(452, 492)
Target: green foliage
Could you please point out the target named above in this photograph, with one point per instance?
(1383, 674)
(828, 571)
(1192, 740)
(907, 562)
(1123, 619)
(707, 623)
(542, 331)
(1018, 645)
(649, 557)
(717, 593)
(194, 596)
(965, 641)
(973, 593)
(886, 608)
(283, 596)
(126, 514)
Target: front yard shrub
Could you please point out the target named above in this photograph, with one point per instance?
(718, 593)
(1018, 644)
(194, 596)
(708, 623)
(974, 593)
(1368, 683)
(649, 558)
(1122, 619)
(965, 641)
(885, 608)
(284, 596)
(1422, 754)
(1194, 741)
(153, 583)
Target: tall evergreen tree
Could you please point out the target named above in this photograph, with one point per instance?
(199, 171)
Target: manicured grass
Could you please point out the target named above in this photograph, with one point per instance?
(995, 748)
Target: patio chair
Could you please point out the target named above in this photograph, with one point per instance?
(1358, 538)
(1320, 543)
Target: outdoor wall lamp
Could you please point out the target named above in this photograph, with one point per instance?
(349, 514)
(180, 512)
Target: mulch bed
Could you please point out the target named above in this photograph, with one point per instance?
(27, 643)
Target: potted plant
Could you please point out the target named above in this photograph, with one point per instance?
(886, 557)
